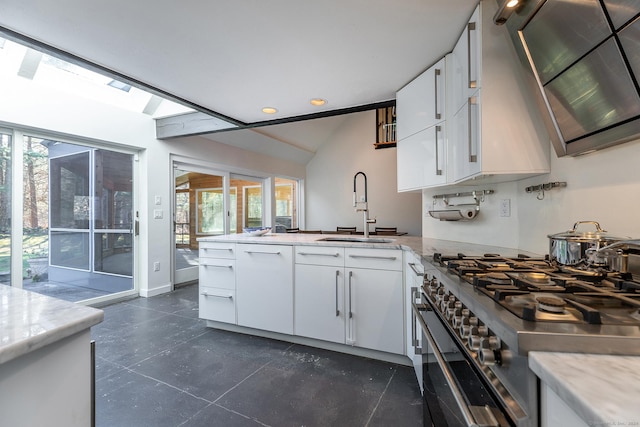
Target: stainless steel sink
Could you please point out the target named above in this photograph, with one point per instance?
(356, 239)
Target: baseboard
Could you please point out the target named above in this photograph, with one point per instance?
(146, 293)
(326, 345)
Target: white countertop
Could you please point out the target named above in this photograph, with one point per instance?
(29, 321)
(421, 246)
(603, 390)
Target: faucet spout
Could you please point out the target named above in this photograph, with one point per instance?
(364, 208)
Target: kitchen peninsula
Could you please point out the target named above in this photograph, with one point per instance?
(45, 360)
(304, 289)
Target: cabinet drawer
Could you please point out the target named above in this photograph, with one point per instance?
(378, 259)
(217, 304)
(217, 250)
(319, 255)
(219, 273)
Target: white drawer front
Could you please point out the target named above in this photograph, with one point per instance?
(218, 273)
(217, 304)
(217, 250)
(379, 259)
(319, 255)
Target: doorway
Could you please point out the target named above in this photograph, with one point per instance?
(209, 203)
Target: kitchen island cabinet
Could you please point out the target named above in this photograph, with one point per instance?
(45, 360)
(587, 389)
(264, 287)
(217, 293)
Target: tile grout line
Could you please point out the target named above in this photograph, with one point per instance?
(395, 369)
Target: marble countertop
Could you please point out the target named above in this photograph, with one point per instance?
(29, 321)
(603, 390)
(421, 246)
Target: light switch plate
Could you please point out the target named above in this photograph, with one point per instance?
(505, 208)
(157, 213)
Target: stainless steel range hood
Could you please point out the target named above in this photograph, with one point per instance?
(584, 58)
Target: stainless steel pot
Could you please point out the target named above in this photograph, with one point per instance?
(570, 247)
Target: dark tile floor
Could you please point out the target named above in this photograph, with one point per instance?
(159, 365)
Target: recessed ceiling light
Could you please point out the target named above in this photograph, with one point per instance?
(269, 110)
(318, 101)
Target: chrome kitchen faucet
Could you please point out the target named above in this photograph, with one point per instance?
(363, 205)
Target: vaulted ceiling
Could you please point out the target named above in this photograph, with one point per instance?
(232, 58)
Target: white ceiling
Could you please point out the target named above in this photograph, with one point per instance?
(235, 57)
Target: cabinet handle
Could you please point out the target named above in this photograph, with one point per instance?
(337, 310)
(314, 254)
(219, 266)
(473, 158)
(438, 170)
(217, 249)
(390, 258)
(415, 270)
(262, 252)
(436, 78)
(414, 334)
(204, 294)
(470, 27)
(350, 312)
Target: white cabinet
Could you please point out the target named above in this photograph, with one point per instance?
(421, 149)
(495, 130)
(464, 73)
(217, 282)
(422, 159)
(319, 293)
(556, 412)
(374, 299)
(422, 102)
(350, 296)
(264, 287)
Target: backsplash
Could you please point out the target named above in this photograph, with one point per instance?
(603, 186)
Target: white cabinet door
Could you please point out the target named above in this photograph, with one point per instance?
(319, 302)
(464, 70)
(375, 309)
(422, 102)
(464, 144)
(422, 159)
(264, 287)
(217, 304)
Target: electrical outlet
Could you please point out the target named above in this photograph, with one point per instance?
(505, 208)
(156, 266)
(157, 213)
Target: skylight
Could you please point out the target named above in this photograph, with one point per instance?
(18, 61)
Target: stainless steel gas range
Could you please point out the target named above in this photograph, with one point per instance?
(480, 316)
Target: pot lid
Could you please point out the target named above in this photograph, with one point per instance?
(591, 235)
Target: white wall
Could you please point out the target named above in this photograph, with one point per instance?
(329, 183)
(42, 110)
(603, 186)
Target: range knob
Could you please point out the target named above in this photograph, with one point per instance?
(458, 320)
(489, 357)
(473, 321)
(452, 312)
(492, 343)
(474, 341)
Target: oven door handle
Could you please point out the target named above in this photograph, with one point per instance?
(437, 352)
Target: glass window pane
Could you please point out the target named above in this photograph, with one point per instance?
(113, 253)
(253, 206)
(286, 204)
(113, 190)
(5, 209)
(70, 249)
(210, 207)
(69, 186)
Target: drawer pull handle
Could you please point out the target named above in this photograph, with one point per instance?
(204, 294)
(263, 252)
(219, 266)
(314, 254)
(415, 270)
(217, 249)
(390, 258)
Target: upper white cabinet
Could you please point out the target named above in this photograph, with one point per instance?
(422, 102)
(422, 159)
(491, 130)
(421, 112)
(494, 129)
